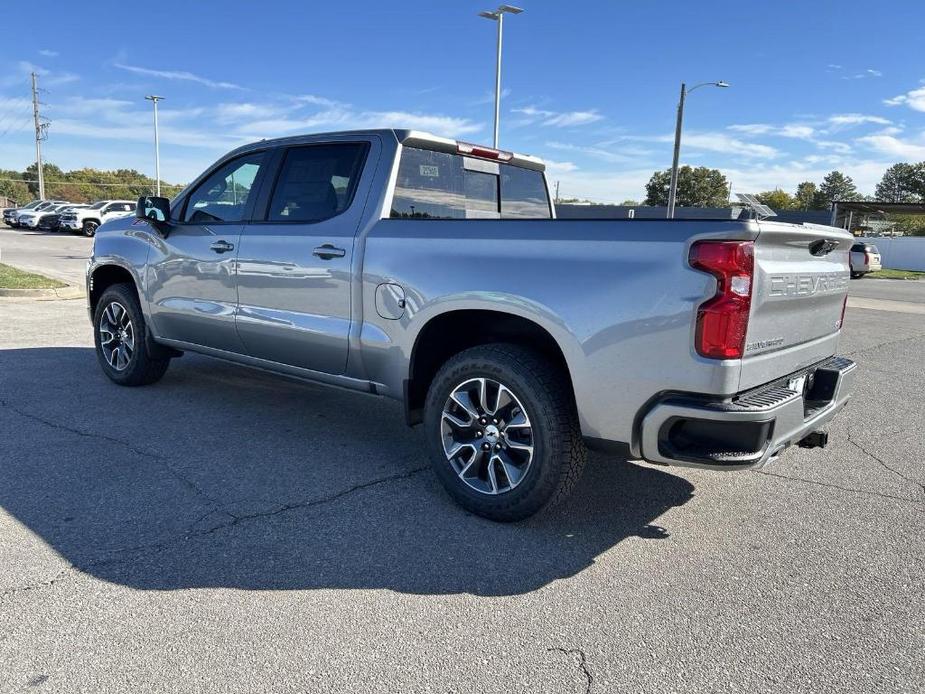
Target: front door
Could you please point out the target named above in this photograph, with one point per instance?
(191, 272)
(294, 265)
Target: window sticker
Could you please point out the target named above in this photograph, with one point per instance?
(429, 171)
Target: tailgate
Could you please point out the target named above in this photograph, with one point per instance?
(800, 282)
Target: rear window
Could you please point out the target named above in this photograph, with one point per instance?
(440, 185)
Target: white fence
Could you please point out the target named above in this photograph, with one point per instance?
(902, 252)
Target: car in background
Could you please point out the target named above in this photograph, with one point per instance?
(38, 205)
(88, 219)
(51, 221)
(9, 212)
(29, 219)
(865, 257)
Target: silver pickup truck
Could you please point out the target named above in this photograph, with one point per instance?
(434, 272)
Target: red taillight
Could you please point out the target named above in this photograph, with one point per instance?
(722, 321)
(484, 152)
(844, 305)
(867, 258)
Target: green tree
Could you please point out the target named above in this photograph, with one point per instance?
(13, 187)
(835, 186)
(697, 187)
(776, 199)
(805, 198)
(902, 183)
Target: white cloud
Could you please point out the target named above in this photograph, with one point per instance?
(893, 146)
(47, 53)
(558, 119)
(180, 75)
(869, 72)
(800, 131)
(914, 99)
(720, 142)
(857, 119)
(558, 168)
(602, 152)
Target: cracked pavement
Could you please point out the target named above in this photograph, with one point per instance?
(229, 531)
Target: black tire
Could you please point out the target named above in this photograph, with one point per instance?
(559, 453)
(857, 275)
(141, 369)
(90, 227)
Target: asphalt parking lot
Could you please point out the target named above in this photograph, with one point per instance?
(229, 531)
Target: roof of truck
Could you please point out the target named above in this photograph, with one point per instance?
(411, 138)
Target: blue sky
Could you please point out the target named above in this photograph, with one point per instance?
(815, 85)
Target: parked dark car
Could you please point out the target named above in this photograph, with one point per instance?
(52, 220)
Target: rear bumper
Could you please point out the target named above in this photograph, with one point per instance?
(746, 430)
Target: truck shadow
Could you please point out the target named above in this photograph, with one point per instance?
(223, 477)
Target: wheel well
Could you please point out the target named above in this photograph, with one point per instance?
(453, 332)
(89, 219)
(106, 276)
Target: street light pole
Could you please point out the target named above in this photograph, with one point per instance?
(498, 16)
(673, 186)
(157, 146)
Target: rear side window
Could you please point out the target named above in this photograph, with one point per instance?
(872, 249)
(224, 195)
(441, 185)
(858, 247)
(316, 182)
(523, 194)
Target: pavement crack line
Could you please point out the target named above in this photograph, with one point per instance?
(918, 485)
(176, 474)
(41, 584)
(582, 662)
(835, 486)
(156, 547)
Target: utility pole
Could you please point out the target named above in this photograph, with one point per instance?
(557, 192)
(157, 144)
(39, 135)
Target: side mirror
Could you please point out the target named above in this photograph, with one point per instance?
(155, 210)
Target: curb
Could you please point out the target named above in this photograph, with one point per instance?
(69, 292)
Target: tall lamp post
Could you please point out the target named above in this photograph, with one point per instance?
(157, 146)
(498, 16)
(673, 189)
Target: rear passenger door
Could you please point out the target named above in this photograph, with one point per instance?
(295, 262)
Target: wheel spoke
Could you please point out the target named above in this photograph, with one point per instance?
(493, 475)
(456, 448)
(477, 455)
(114, 357)
(465, 402)
(519, 421)
(106, 335)
(513, 473)
(129, 340)
(456, 421)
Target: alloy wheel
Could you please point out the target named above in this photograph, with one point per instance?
(117, 336)
(487, 436)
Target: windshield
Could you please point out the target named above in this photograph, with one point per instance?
(32, 204)
(97, 205)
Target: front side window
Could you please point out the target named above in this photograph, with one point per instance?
(316, 182)
(224, 195)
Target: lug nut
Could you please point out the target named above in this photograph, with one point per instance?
(494, 421)
(486, 446)
(478, 433)
(497, 446)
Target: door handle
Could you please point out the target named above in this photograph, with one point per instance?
(326, 251)
(222, 246)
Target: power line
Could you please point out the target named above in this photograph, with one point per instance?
(129, 184)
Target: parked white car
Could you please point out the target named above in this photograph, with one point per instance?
(865, 257)
(28, 218)
(88, 219)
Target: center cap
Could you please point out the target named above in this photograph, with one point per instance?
(492, 433)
